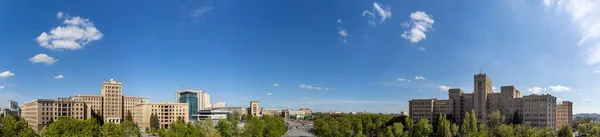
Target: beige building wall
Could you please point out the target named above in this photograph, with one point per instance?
(540, 110)
(38, 112)
(564, 114)
(93, 101)
(421, 109)
(129, 103)
(254, 109)
(306, 110)
(482, 86)
(167, 113)
(112, 94)
(271, 112)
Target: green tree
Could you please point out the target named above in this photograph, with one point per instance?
(130, 129)
(206, 128)
(565, 131)
(154, 122)
(516, 119)
(443, 127)
(147, 130)
(469, 125)
(398, 129)
(408, 126)
(68, 126)
(504, 130)
(111, 130)
(275, 126)
(454, 130)
(495, 119)
(129, 116)
(225, 128)
(15, 127)
(422, 128)
(255, 127)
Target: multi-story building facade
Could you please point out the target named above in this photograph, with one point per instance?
(219, 105)
(540, 110)
(197, 100)
(167, 113)
(537, 110)
(13, 105)
(111, 104)
(270, 112)
(39, 112)
(234, 110)
(306, 110)
(564, 113)
(254, 109)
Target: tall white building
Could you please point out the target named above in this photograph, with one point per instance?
(204, 99)
(219, 105)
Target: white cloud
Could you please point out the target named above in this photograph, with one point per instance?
(536, 90)
(1, 87)
(59, 14)
(43, 58)
(6, 74)
(421, 48)
(201, 11)
(419, 78)
(378, 14)
(59, 77)
(305, 86)
(343, 33)
(597, 71)
(276, 85)
(443, 88)
(559, 99)
(402, 79)
(77, 33)
(420, 23)
(559, 88)
(584, 14)
(339, 21)
(268, 94)
(587, 99)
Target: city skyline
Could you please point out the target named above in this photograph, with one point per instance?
(348, 56)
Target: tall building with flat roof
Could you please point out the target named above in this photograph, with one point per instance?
(13, 105)
(112, 104)
(482, 86)
(167, 113)
(197, 100)
(538, 110)
(254, 109)
(564, 113)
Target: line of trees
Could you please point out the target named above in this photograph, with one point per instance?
(382, 125)
(266, 126)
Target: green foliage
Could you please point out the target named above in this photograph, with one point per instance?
(129, 116)
(68, 126)
(180, 129)
(147, 130)
(15, 127)
(225, 128)
(130, 129)
(111, 130)
(154, 122)
(565, 131)
(469, 125)
(443, 127)
(504, 130)
(454, 130)
(398, 128)
(255, 127)
(422, 128)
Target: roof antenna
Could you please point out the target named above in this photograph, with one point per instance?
(479, 71)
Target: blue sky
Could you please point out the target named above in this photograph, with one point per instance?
(340, 55)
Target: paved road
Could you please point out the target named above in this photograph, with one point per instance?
(298, 128)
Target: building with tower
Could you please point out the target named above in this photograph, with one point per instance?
(197, 100)
(537, 110)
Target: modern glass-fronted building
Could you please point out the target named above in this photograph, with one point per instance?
(191, 98)
(197, 100)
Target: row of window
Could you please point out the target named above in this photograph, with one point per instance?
(111, 87)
